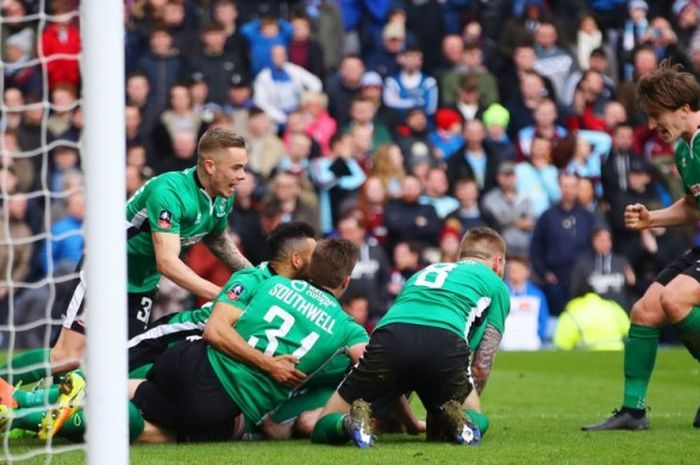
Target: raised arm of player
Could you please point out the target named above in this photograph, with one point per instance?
(220, 334)
(222, 246)
(166, 247)
(483, 357)
(681, 212)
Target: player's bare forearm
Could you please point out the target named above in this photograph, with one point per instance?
(483, 357)
(166, 247)
(224, 249)
(408, 418)
(681, 212)
(220, 334)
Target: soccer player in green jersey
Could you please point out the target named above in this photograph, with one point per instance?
(291, 246)
(670, 98)
(422, 345)
(196, 389)
(166, 216)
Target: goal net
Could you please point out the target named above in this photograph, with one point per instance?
(61, 193)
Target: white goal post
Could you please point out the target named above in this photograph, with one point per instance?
(105, 232)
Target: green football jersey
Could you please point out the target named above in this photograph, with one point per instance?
(284, 317)
(237, 291)
(688, 164)
(174, 203)
(452, 296)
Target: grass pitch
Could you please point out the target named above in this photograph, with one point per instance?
(536, 402)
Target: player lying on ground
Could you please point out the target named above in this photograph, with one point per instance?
(421, 345)
(196, 390)
(167, 215)
(670, 98)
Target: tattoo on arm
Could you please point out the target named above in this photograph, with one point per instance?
(483, 357)
(225, 250)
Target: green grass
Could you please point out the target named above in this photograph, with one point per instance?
(536, 402)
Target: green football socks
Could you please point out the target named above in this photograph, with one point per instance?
(38, 359)
(479, 419)
(37, 397)
(329, 430)
(689, 332)
(640, 356)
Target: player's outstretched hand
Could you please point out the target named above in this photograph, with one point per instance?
(283, 370)
(636, 217)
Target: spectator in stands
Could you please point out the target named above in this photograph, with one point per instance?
(384, 59)
(297, 162)
(372, 88)
(510, 211)
(62, 37)
(645, 62)
(553, 61)
(687, 19)
(344, 87)
(303, 50)
(604, 272)
(13, 99)
(468, 99)
(265, 149)
(413, 137)
(407, 219)
(523, 104)
(598, 62)
(590, 147)
(65, 245)
(64, 158)
(372, 201)
(263, 35)
(496, 119)
(633, 31)
(225, 13)
(184, 154)
(471, 64)
(664, 41)
(388, 166)
(436, 187)
(407, 261)
(450, 238)
(286, 190)
(138, 95)
(362, 113)
(179, 115)
(452, 48)
(528, 320)
(410, 87)
(14, 23)
(370, 274)
(588, 38)
(18, 73)
(296, 124)
(132, 123)
(616, 167)
(545, 126)
(469, 213)
(337, 177)
(215, 62)
(23, 167)
(562, 235)
(175, 19)
(17, 248)
(474, 160)
(588, 107)
(319, 124)
(238, 104)
(591, 322)
(162, 64)
(446, 139)
(278, 87)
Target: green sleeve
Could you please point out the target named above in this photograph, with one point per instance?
(164, 211)
(496, 316)
(566, 336)
(240, 288)
(356, 334)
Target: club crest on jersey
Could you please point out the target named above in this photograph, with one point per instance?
(695, 189)
(221, 209)
(164, 219)
(235, 292)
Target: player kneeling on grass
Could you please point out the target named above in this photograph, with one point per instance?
(421, 345)
(197, 389)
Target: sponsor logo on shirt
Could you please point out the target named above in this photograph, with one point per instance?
(164, 219)
(695, 189)
(235, 292)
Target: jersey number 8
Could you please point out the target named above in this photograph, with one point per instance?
(435, 275)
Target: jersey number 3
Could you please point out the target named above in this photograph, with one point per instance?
(288, 320)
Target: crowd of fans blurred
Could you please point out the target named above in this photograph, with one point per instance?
(394, 124)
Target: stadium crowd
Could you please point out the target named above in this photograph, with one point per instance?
(394, 124)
